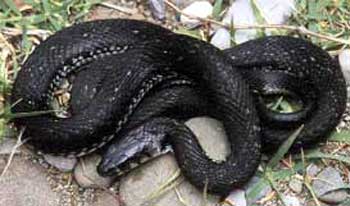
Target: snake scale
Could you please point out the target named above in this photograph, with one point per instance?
(136, 83)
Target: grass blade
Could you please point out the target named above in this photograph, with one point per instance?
(217, 9)
(284, 148)
(343, 136)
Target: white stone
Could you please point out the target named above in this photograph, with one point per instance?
(202, 9)
(276, 11)
(344, 61)
(291, 201)
(241, 13)
(221, 39)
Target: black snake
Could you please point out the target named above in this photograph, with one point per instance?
(139, 82)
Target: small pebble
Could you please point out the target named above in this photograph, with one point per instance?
(296, 185)
(202, 9)
(291, 201)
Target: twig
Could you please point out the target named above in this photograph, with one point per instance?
(299, 29)
(13, 151)
(118, 8)
(16, 32)
(181, 199)
(308, 186)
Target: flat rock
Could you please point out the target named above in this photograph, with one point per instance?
(85, 173)
(140, 184)
(328, 186)
(63, 164)
(7, 145)
(25, 184)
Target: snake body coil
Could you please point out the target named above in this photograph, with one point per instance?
(136, 83)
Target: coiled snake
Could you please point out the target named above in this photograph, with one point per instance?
(136, 83)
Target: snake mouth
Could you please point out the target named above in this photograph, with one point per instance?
(108, 167)
(123, 163)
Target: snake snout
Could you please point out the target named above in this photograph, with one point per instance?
(108, 168)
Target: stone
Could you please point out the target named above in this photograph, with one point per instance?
(236, 197)
(85, 173)
(312, 170)
(63, 164)
(239, 13)
(202, 9)
(276, 11)
(291, 201)
(296, 185)
(157, 8)
(211, 136)
(334, 197)
(242, 13)
(221, 39)
(107, 199)
(25, 184)
(7, 145)
(328, 186)
(141, 184)
(344, 61)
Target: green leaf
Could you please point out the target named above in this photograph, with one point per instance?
(217, 9)
(253, 193)
(13, 7)
(283, 149)
(259, 18)
(192, 33)
(319, 155)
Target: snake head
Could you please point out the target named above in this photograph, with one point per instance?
(130, 151)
